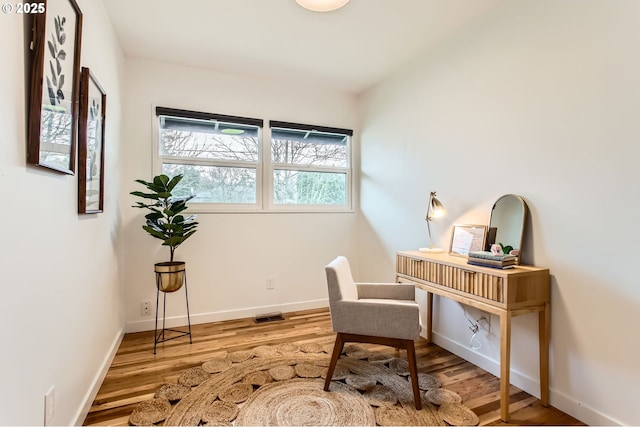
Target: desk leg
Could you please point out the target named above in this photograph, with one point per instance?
(429, 316)
(505, 368)
(544, 327)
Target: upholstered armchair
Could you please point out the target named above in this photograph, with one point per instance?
(377, 313)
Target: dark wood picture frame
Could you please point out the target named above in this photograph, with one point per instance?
(55, 75)
(93, 104)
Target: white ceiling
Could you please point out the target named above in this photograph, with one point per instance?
(348, 50)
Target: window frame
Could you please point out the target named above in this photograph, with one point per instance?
(271, 167)
(264, 166)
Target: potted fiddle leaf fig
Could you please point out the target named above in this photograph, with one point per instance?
(166, 222)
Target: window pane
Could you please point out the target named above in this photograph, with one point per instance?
(296, 147)
(214, 184)
(309, 188)
(206, 139)
(55, 136)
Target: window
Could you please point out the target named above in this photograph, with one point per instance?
(230, 167)
(219, 156)
(310, 165)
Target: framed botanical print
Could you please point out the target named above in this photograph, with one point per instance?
(93, 104)
(55, 72)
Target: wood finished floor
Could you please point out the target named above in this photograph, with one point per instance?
(136, 373)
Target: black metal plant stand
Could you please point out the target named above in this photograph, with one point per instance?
(159, 337)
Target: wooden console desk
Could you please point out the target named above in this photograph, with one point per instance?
(505, 293)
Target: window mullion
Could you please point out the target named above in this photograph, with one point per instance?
(208, 162)
(267, 170)
(309, 168)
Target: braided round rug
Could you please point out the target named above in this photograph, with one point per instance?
(283, 386)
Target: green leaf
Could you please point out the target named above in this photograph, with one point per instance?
(187, 227)
(189, 234)
(151, 186)
(146, 206)
(161, 181)
(154, 233)
(144, 195)
(177, 207)
(174, 181)
(156, 226)
(142, 181)
(152, 208)
(154, 216)
(174, 241)
(156, 188)
(506, 249)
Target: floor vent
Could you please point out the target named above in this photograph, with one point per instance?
(268, 317)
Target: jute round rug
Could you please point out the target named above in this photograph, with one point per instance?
(283, 386)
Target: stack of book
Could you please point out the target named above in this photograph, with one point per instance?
(489, 259)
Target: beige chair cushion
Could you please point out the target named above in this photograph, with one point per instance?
(383, 310)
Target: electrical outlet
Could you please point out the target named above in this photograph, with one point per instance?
(145, 308)
(270, 283)
(49, 405)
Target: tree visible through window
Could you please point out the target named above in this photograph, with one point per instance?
(219, 159)
(310, 167)
(226, 164)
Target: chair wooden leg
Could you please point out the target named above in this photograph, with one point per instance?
(413, 371)
(335, 355)
(408, 345)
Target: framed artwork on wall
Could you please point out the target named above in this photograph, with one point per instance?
(467, 238)
(55, 73)
(93, 104)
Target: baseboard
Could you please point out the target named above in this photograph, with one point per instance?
(524, 382)
(91, 394)
(567, 404)
(579, 410)
(217, 316)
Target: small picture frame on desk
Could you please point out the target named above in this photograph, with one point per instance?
(467, 238)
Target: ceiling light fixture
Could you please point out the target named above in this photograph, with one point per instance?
(322, 5)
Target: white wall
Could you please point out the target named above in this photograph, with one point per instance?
(61, 306)
(549, 88)
(230, 257)
(541, 100)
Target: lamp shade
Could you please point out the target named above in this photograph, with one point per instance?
(322, 5)
(437, 210)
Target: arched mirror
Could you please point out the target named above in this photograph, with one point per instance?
(507, 218)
